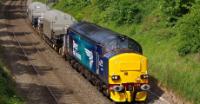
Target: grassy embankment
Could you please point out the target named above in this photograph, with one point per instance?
(160, 36)
(7, 89)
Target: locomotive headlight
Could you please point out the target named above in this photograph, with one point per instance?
(118, 88)
(145, 87)
(115, 77)
(144, 76)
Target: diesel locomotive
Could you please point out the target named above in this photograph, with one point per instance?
(113, 62)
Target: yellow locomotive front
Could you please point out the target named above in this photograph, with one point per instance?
(128, 77)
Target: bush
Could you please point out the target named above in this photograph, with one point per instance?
(189, 30)
(174, 9)
(103, 4)
(77, 3)
(124, 12)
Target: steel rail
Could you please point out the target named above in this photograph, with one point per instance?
(35, 69)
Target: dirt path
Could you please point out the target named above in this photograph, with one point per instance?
(53, 71)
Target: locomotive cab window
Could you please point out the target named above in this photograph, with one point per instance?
(112, 45)
(134, 46)
(122, 43)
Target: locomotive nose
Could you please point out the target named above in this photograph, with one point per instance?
(128, 68)
(125, 72)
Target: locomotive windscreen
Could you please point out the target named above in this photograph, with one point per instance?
(121, 43)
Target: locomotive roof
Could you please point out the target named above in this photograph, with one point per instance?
(97, 33)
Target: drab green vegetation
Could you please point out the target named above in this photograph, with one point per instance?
(169, 31)
(0, 2)
(7, 92)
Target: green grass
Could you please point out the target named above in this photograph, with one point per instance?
(160, 43)
(7, 90)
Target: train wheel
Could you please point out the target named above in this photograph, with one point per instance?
(75, 65)
(96, 82)
(84, 73)
(43, 36)
(81, 70)
(99, 86)
(56, 48)
(72, 62)
(60, 51)
(105, 91)
(53, 45)
(67, 57)
(89, 76)
(93, 80)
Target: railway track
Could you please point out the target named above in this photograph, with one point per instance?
(50, 91)
(35, 69)
(52, 87)
(56, 90)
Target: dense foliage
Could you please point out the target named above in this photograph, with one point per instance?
(174, 9)
(103, 4)
(77, 3)
(189, 29)
(187, 26)
(124, 12)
